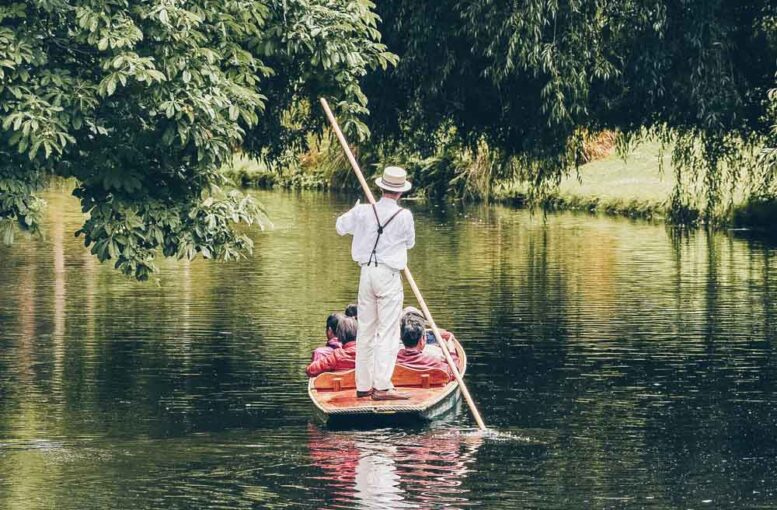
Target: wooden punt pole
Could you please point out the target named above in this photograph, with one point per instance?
(408, 275)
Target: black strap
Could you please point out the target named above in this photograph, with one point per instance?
(374, 253)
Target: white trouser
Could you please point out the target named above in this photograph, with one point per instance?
(377, 340)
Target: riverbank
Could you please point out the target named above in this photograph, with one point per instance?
(637, 187)
(641, 186)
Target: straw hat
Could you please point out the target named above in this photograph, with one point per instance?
(394, 179)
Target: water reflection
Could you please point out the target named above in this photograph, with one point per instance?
(389, 469)
(58, 334)
(645, 359)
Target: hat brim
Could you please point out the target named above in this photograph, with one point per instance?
(405, 187)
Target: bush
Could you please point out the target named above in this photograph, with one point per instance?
(760, 212)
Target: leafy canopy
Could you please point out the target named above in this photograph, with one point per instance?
(530, 77)
(141, 102)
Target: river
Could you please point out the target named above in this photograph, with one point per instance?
(622, 363)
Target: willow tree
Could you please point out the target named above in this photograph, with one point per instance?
(141, 102)
(530, 77)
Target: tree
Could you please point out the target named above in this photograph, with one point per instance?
(141, 102)
(530, 77)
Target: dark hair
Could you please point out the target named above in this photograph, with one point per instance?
(333, 320)
(346, 330)
(411, 316)
(351, 310)
(392, 193)
(411, 330)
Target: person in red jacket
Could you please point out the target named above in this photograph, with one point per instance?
(432, 346)
(332, 342)
(339, 359)
(413, 336)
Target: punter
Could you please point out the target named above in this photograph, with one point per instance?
(382, 234)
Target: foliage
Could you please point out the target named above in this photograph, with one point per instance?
(759, 212)
(250, 173)
(629, 208)
(765, 185)
(142, 102)
(530, 77)
(447, 167)
(451, 169)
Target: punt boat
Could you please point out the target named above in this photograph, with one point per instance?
(432, 396)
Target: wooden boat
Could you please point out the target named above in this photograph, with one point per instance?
(431, 395)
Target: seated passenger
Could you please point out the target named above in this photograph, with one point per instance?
(432, 348)
(339, 359)
(332, 342)
(352, 311)
(412, 355)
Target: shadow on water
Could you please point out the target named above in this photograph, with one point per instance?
(757, 238)
(408, 421)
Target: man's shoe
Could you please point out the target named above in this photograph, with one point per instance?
(389, 395)
(362, 394)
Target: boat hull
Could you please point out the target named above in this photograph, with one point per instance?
(343, 409)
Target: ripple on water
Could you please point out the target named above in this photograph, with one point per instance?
(618, 364)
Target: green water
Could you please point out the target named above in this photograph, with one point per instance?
(625, 365)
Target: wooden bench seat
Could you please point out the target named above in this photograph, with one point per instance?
(403, 377)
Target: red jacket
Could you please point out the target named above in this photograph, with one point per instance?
(321, 352)
(337, 360)
(413, 358)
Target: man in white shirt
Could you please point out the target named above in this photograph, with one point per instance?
(382, 234)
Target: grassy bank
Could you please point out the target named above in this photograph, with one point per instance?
(639, 187)
(636, 187)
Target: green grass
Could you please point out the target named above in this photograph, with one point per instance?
(639, 187)
(635, 180)
(633, 187)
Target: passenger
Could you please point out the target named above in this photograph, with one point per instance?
(432, 347)
(339, 359)
(412, 355)
(332, 342)
(352, 311)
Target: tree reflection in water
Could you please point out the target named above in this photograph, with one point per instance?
(392, 469)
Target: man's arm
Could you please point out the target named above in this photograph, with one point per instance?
(346, 223)
(410, 242)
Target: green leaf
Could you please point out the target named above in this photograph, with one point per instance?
(112, 250)
(234, 112)
(8, 236)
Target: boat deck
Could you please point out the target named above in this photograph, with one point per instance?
(346, 402)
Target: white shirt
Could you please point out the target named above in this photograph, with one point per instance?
(397, 237)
